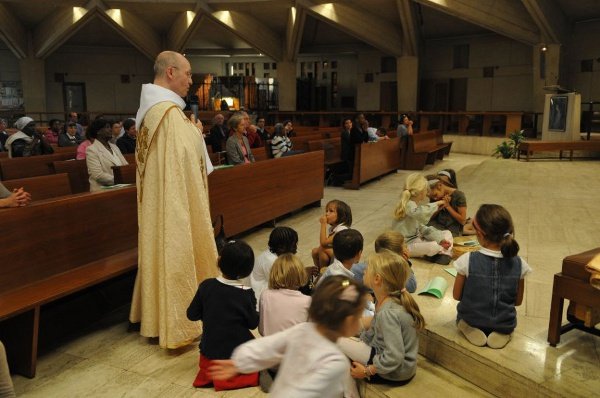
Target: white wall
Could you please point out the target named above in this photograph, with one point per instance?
(509, 89)
(100, 70)
(584, 44)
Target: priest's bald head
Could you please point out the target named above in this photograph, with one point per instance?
(173, 71)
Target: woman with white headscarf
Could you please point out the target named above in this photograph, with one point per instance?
(27, 141)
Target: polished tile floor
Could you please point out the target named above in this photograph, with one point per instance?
(555, 209)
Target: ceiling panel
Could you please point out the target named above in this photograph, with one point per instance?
(97, 33)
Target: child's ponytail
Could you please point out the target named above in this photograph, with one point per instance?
(400, 211)
(405, 299)
(414, 185)
(496, 224)
(394, 272)
(509, 246)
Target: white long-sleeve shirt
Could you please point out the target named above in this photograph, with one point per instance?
(311, 366)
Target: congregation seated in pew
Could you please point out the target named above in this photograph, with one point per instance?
(69, 137)
(127, 141)
(27, 141)
(102, 155)
(237, 146)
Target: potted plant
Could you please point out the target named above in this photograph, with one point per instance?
(505, 150)
(508, 149)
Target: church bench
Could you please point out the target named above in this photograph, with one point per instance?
(65, 149)
(251, 195)
(3, 155)
(125, 174)
(42, 187)
(332, 148)
(32, 166)
(573, 284)
(301, 143)
(260, 153)
(77, 172)
(423, 149)
(529, 147)
(59, 247)
(440, 141)
(374, 159)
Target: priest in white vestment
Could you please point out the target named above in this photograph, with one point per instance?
(175, 241)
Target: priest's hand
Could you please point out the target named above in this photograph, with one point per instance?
(197, 123)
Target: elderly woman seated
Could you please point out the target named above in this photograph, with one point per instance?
(237, 146)
(102, 155)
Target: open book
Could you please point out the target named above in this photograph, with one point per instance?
(435, 287)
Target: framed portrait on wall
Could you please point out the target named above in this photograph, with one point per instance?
(74, 98)
(557, 120)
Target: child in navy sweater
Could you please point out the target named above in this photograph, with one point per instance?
(227, 309)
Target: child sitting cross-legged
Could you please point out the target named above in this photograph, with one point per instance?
(227, 309)
(387, 348)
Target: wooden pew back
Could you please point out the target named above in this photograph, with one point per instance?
(55, 236)
(424, 141)
(331, 146)
(77, 171)
(374, 159)
(32, 166)
(268, 189)
(42, 187)
(125, 174)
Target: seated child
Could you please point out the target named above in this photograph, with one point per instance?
(453, 214)
(338, 216)
(411, 217)
(282, 305)
(347, 249)
(388, 346)
(490, 282)
(281, 240)
(227, 310)
(394, 242)
(310, 363)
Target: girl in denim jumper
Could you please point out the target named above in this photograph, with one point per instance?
(490, 282)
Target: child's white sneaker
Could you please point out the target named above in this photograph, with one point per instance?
(498, 340)
(474, 335)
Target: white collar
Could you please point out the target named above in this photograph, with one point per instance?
(151, 95)
(235, 283)
(491, 253)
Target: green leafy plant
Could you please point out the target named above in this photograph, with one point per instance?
(508, 149)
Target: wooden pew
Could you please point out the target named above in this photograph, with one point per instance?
(374, 159)
(301, 143)
(440, 141)
(65, 149)
(332, 148)
(77, 171)
(125, 174)
(59, 247)
(250, 195)
(42, 187)
(32, 166)
(423, 149)
(529, 147)
(260, 154)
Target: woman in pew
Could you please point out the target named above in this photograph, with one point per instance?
(69, 137)
(16, 198)
(51, 135)
(280, 143)
(102, 155)
(237, 146)
(27, 141)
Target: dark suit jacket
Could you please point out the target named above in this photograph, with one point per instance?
(218, 135)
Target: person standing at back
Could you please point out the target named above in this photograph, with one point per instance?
(176, 248)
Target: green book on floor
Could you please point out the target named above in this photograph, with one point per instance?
(435, 287)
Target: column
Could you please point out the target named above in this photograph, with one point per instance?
(286, 77)
(407, 72)
(33, 81)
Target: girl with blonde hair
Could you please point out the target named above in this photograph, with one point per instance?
(388, 345)
(282, 305)
(411, 217)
